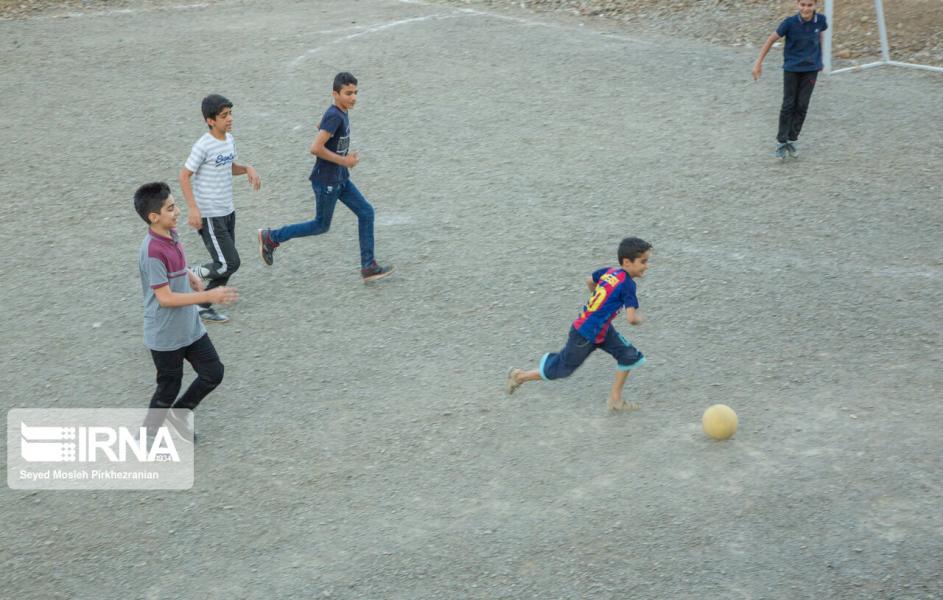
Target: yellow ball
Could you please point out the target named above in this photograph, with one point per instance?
(719, 422)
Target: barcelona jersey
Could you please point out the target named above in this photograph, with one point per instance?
(614, 290)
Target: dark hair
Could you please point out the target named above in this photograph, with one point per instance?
(213, 105)
(342, 79)
(150, 198)
(632, 247)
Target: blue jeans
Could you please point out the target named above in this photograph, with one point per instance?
(326, 197)
(557, 365)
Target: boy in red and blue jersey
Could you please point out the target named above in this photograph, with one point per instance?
(613, 289)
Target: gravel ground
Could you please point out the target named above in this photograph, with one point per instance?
(915, 27)
(361, 445)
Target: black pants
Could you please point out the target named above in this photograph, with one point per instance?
(797, 91)
(219, 236)
(209, 373)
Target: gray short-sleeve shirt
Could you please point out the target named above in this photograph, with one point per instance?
(162, 262)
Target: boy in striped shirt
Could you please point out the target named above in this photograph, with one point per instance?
(613, 289)
(211, 166)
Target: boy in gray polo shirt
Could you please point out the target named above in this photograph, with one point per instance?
(172, 328)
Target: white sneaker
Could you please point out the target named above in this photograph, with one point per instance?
(211, 315)
(182, 422)
(200, 271)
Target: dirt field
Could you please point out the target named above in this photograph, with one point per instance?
(361, 445)
(915, 27)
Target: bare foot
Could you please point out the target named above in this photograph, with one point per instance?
(620, 405)
(512, 382)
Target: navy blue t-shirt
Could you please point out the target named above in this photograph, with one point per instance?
(803, 51)
(337, 123)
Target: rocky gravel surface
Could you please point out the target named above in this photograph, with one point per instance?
(915, 26)
(361, 445)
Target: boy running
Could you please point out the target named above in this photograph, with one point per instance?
(211, 165)
(330, 180)
(172, 330)
(613, 288)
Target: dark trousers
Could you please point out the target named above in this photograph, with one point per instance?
(209, 373)
(219, 237)
(797, 91)
(557, 365)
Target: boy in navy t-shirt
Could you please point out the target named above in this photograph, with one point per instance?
(331, 182)
(802, 61)
(613, 289)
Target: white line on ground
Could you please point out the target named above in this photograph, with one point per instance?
(374, 29)
(111, 12)
(535, 23)
(762, 260)
(459, 12)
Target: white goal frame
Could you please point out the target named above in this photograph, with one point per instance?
(885, 48)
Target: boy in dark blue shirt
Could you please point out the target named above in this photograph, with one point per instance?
(802, 61)
(331, 182)
(613, 289)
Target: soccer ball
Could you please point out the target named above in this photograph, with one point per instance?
(719, 422)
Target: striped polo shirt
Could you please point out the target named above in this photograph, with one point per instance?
(163, 263)
(211, 161)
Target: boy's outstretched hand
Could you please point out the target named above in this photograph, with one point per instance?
(757, 71)
(223, 295)
(254, 179)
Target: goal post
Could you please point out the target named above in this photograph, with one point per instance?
(885, 47)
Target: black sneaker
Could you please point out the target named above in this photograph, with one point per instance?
(373, 271)
(209, 315)
(182, 422)
(266, 246)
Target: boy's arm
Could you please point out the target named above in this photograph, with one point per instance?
(194, 218)
(758, 65)
(633, 317)
(195, 282)
(169, 299)
(591, 285)
(317, 148)
(247, 170)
